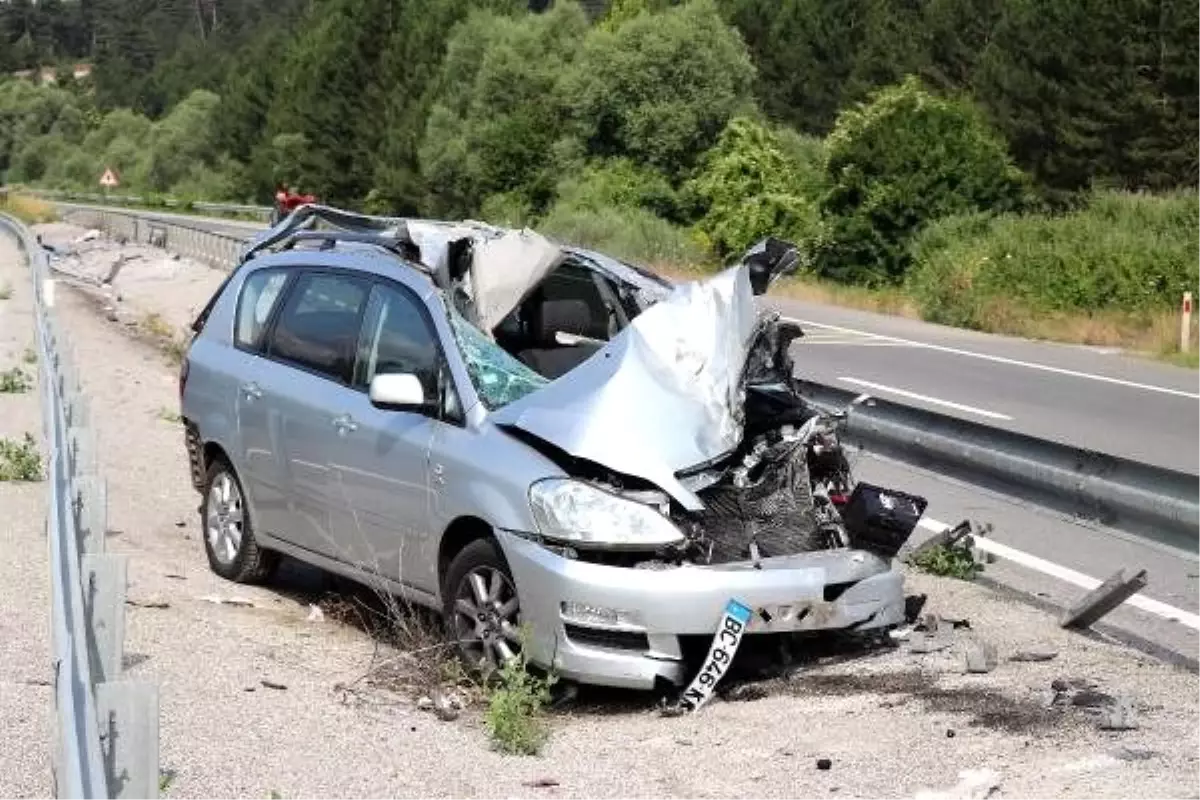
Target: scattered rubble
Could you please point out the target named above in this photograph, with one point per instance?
(227, 601)
(824, 764)
(541, 783)
(1119, 716)
(1034, 655)
(315, 614)
(973, 784)
(161, 604)
(979, 656)
(1103, 599)
(920, 642)
(273, 685)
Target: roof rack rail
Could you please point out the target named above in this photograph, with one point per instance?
(405, 248)
(388, 232)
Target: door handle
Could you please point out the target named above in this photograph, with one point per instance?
(251, 390)
(344, 424)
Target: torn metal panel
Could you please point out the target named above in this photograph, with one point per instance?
(506, 268)
(663, 395)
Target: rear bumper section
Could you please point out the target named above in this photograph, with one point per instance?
(622, 627)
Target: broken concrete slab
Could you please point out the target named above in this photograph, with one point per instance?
(1034, 654)
(1119, 716)
(979, 656)
(920, 642)
(1103, 599)
(973, 784)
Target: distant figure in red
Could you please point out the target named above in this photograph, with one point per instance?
(287, 201)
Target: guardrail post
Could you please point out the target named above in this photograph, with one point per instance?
(104, 581)
(92, 513)
(128, 714)
(1185, 323)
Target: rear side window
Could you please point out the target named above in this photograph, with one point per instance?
(260, 293)
(319, 323)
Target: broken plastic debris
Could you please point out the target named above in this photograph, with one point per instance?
(973, 784)
(227, 601)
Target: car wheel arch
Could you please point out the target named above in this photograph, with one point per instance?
(458, 534)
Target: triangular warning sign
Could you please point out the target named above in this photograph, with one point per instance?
(109, 178)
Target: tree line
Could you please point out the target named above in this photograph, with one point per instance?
(673, 130)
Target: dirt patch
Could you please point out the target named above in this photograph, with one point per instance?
(983, 706)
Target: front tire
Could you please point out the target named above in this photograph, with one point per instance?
(233, 552)
(481, 608)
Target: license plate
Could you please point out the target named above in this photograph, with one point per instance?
(720, 656)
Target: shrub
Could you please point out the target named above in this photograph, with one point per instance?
(750, 186)
(618, 183)
(659, 87)
(898, 162)
(20, 460)
(1122, 252)
(514, 715)
(631, 234)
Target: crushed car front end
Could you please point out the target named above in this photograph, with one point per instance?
(629, 626)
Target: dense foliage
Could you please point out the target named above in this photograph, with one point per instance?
(912, 143)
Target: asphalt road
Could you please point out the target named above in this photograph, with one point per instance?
(1081, 396)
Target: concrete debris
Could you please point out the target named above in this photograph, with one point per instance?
(1128, 753)
(89, 236)
(744, 693)
(1103, 599)
(148, 603)
(973, 784)
(1089, 698)
(920, 642)
(273, 685)
(444, 708)
(315, 614)
(1068, 684)
(424, 703)
(1034, 655)
(979, 657)
(1119, 716)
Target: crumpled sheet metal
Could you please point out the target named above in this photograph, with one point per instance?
(663, 395)
(504, 269)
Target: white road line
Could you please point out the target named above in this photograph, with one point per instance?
(1087, 582)
(879, 387)
(1002, 360)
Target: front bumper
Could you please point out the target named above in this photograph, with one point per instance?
(825, 590)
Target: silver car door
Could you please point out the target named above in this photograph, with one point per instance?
(380, 462)
(256, 454)
(314, 339)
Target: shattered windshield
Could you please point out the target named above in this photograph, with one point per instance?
(498, 378)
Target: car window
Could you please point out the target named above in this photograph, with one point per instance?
(260, 293)
(318, 326)
(498, 378)
(397, 337)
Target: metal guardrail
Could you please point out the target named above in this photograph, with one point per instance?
(137, 201)
(217, 250)
(1152, 502)
(106, 736)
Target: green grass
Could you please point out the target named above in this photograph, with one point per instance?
(5, 291)
(14, 381)
(949, 560)
(20, 460)
(167, 415)
(515, 715)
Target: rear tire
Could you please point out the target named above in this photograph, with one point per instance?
(233, 552)
(480, 606)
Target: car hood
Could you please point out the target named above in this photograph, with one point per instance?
(662, 396)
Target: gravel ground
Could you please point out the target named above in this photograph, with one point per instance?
(26, 699)
(883, 721)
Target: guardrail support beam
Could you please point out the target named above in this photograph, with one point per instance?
(128, 714)
(104, 582)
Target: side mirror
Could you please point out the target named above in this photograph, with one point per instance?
(398, 391)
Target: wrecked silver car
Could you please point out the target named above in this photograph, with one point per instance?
(557, 450)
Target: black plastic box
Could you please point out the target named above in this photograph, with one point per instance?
(881, 520)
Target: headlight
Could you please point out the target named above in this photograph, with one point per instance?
(573, 511)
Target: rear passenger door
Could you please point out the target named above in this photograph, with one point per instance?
(304, 384)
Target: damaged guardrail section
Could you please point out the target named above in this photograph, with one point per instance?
(214, 249)
(1149, 501)
(106, 736)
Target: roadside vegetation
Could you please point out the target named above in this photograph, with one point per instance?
(14, 381)
(1004, 165)
(20, 459)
